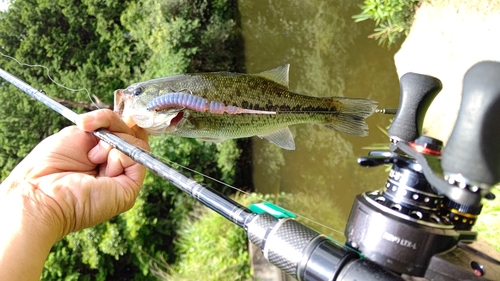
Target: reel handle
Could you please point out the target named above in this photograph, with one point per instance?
(472, 154)
(416, 94)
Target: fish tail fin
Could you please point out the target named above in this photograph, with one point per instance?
(351, 118)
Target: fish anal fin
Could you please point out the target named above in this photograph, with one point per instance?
(278, 74)
(282, 138)
(208, 139)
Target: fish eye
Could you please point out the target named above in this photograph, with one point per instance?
(137, 91)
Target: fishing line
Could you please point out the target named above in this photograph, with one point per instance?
(246, 193)
(167, 160)
(51, 79)
(206, 176)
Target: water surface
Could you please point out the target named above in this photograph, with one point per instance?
(330, 55)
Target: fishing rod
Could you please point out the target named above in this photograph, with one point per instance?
(402, 231)
(308, 255)
(209, 197)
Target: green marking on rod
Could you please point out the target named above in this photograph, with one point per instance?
(274, 210)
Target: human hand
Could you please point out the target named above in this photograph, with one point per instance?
(73, 180)
(70, 181)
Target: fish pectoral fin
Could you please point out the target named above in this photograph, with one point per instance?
(278, 74)
(282, 138)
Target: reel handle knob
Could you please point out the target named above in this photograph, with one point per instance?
(473, 150)
(416, 94)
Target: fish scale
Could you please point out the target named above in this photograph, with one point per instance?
(214, 125)
(254, 105)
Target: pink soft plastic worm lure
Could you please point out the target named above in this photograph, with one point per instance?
(193, 102)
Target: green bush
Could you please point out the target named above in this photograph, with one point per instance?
(210, 247)
(103, 46)
(487, 224)
(186, 36)
(393, 18)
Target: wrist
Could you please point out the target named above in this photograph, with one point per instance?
(26, 237)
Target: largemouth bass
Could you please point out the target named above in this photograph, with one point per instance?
(224, 105)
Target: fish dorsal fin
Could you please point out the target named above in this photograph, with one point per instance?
(282, 138)
(278, 74)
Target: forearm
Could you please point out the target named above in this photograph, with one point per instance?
(24, 245)
(21, 258)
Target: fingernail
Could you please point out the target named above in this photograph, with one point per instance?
(85, 121)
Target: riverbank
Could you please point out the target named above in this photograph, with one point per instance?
(446, 38)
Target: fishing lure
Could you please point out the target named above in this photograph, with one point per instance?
(193, 102)
(223, 105)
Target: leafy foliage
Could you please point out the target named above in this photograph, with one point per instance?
(392, 18)
(487, 223)
(186, 36)
(209, 246)
(103, 46)
(79, 49)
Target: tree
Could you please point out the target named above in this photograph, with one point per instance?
(81, 43)
(103, 46)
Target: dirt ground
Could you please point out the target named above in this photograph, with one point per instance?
(446, 39)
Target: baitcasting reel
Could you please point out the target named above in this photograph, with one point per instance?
(421, 223)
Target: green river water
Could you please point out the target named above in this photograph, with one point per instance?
(330, 55)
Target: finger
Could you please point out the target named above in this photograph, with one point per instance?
(68, 139)
(129, 121)
(124, 171)
(99, 153)
(64, 151)
(103, 118)
(117, 163)
(136, 141)
(142, 134)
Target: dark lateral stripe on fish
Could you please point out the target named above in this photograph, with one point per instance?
(193, 102)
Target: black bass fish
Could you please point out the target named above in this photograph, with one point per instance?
(224, 105)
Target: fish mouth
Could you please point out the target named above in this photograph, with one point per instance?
(175, 121)
(119, 102)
